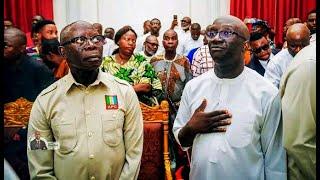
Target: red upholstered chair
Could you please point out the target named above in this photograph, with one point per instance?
(155, 161)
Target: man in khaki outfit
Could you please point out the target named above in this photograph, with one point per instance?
(93, 118)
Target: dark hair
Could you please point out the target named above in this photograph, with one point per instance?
(255, 36)
(109, 28)
(50, 45)
(312, 11)
(120, 33)
(40, 24)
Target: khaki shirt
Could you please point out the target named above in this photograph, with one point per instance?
(96, 142)
(298, 92)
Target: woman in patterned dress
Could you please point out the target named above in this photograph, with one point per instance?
(133, 68)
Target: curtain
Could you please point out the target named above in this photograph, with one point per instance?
(118, 13)
(275, 12)
(22, 11)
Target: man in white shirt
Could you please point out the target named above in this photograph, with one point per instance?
(108, 47)
(298, 36)
(249, 148)
(183, 31)
(155, 30)
(151, 45)
(192, 41)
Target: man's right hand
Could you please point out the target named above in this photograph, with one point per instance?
(174, 23)
(203, 122)
(142, 87)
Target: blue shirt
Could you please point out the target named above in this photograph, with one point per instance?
(190, 54)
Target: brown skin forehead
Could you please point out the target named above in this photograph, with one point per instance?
(312, 16)
(71, 30)
(188, 19)
(298, 31)
(152, 38)
(14, 36)
(233, 22)
(170, 33)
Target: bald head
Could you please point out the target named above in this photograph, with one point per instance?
(298, 36)
(15, 44)
(67, 31)
(239, 26)
(171, 32)
(16, 35)
(298, 30)
(151, 38)
(170, 40)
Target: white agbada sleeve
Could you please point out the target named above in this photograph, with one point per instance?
(271, 140)
(183, 115)
(273, 73)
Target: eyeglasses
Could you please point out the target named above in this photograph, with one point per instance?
(258, 50)
(152, 44)
(222, 34)
(96, 40)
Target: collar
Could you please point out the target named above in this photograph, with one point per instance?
(70, 82)
(270, 57)
(240, 78)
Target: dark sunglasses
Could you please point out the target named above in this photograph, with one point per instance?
(97, 40)
(258, 50)
(184, 21)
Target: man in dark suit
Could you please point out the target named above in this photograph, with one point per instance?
(261, 52)
(37, 143)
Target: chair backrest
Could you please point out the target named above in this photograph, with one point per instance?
(16, 114)
(155, 164)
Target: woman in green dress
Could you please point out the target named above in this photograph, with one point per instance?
(133, 68)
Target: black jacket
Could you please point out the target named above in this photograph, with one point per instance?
(256, 65)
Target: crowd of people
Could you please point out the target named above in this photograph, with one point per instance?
(239, 107)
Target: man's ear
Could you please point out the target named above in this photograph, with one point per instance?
(62, 52)
(23, 48)
(246, 46)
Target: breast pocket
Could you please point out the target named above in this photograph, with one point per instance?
(112, 125)
(66, 135)
(239, 133)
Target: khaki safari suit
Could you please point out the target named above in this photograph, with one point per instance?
(96, 141)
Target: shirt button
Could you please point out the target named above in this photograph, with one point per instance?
(91, 156)
(92, 178)
(114, 116)
(90, 134)
(88, 112)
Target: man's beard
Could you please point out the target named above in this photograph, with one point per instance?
(151, 53)
(185, 27)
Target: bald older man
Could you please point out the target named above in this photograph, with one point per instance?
(92, 118)
(249, 148)
(150, 45)
(298, 36)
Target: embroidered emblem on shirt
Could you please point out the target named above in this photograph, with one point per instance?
(111, 102)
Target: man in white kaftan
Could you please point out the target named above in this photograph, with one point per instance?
(251, 146)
